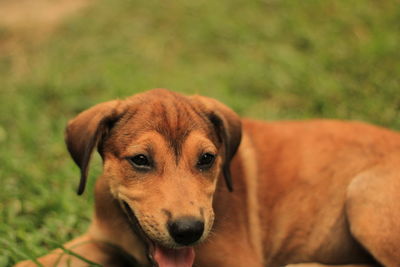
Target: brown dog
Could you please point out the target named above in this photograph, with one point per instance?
(308, 193)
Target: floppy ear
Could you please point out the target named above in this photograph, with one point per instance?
(228, 127)
(84, 132)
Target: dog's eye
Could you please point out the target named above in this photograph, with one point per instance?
(140, 162)
(205, 161)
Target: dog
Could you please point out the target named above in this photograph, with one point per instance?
(186, 182)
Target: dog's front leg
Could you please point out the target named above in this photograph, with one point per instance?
(322, 265)
(83, 251)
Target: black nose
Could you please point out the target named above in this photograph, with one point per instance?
(186, 230)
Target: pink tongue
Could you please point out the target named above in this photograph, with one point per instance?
(167, 257)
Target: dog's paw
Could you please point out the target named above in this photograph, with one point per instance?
(303, 265)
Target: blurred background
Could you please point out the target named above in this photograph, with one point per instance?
(267, 59)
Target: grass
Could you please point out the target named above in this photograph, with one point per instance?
(266, 59)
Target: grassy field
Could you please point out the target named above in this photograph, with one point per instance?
(271, 59)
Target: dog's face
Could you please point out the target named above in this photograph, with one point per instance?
(163, 186)
(162, 153)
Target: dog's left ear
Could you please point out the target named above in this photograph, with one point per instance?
(85, 131)
(228, 128)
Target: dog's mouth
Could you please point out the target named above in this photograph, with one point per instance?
(157, 254)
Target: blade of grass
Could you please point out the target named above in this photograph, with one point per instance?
(20, 253)
(70, 252)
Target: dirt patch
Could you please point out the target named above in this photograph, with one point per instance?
(37, 15)
(26, 23)
(30, 21)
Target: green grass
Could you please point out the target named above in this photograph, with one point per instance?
(272, 59)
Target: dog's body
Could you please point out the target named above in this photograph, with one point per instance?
(307, 193)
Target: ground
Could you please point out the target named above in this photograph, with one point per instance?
(266, 59)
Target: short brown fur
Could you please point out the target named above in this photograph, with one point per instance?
(312, 193)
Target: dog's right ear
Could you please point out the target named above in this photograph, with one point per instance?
(84, 132)
(228, 127)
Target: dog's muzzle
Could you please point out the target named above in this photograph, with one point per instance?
(184, 231)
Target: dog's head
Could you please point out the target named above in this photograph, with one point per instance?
(162, 155)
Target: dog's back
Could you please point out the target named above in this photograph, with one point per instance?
(304, 170)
